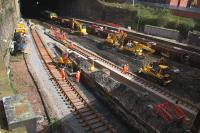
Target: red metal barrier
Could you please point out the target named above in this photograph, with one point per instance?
(161, 109)
(166, 108)
(180, 115)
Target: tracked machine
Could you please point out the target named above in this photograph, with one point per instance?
(138, 49)
(75, 26)
(116, 39)
(157, 70)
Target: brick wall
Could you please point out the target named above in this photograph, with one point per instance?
(173, 2)
(198, 3)
(183, 3)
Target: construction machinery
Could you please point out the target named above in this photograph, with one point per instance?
(74, 25)
(158, 70)
(116, 38)
(49, 15)
(20, 28)
(63, 60)
(137, 48)
(77, 27)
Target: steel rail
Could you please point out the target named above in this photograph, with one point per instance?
(151, 87)
(88, 117)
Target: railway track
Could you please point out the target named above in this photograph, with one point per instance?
(173, 50)
(156, 89)
(88, 117)
(148, 38)
(144, 83)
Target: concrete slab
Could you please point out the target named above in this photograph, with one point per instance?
(19, 113)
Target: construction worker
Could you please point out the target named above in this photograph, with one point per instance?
(122, 36)
(65, 56)
(71, 46)
(51, 30)
(125, 68)
(62, 73)
(129, 44)
(77, 76)
(73, 23)
(64, 38)
(57, 33)
(161, 61)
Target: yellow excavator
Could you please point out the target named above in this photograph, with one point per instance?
(158, 70)
(137, 48)
(116, 39)
(77, 27)
(63, 60)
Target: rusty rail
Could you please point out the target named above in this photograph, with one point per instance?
(88, 117)
(158, 90)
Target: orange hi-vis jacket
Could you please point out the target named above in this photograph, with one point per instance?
(126, 69)
(62, 73)
(51, 30)
(77, 76)
(71, 46)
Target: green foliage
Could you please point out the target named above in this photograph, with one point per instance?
(157, 17)
(184, 29)
(197, 25)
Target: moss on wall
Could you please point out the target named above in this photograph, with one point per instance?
(8, 20)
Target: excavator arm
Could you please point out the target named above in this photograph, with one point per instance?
(148, 49)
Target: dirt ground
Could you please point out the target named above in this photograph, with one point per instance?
(185, 83)
(25, 86)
